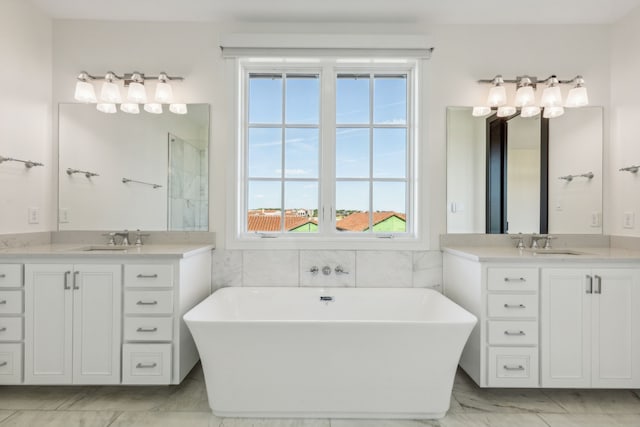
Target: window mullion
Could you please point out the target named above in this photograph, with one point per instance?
(371, 92)
(328, 154)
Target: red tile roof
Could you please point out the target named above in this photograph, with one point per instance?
(359, 221)
(272, 222)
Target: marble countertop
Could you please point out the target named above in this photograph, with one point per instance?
(59, 250)
(511, 254)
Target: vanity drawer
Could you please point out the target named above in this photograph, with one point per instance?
(10, 328)
(10, 363)
(10, 275)
(10, 302)
(510, 332)
(148, 302)
(513, 305)
(513, 367)
(148, 276)
(512, 279)
(146, 363)
(148, 328)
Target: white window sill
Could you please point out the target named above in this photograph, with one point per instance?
(348, 243)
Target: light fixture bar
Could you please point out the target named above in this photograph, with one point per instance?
(84, 76)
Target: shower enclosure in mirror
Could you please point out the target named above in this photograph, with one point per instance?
(122, 171)
(529, 175)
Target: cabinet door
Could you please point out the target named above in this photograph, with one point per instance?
(616, 328)
(48, 327)
(97, 311)
(565, 323)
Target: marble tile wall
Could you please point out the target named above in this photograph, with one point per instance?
(292, 268)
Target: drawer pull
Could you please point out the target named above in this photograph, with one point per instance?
(2, 275)
(147, 330)
(514, 333)
(3, 329)
(513, 368)
(147, 276)
(515, 306)
(4, 301)
(5, 363)
(149, 366)
(147, 303)
(515, 279)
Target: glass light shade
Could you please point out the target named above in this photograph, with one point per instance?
(506, 110)
(497, 96)
(107, 108)
(110, 93)
(481, 111)
(130, 108)
(85, 92)
(164, 93)
(577, 97)
(137, 93)
(552, 112)
(525, 96)
(153, 108)
(530, 111)
(180, 108)
(551, 97)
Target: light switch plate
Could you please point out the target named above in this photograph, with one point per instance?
(34, 216)
(63, 216)
(628, 220)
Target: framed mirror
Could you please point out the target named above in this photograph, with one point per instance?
(133, 171)
(529, 175)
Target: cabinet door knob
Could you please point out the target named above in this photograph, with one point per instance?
(66, 280)
(147, 276)
(5, 363)
(4, 301)
(598, 290)
(2, 275)
(147, 303)
(515, 279)
(589, 289)
(146, 329)
(3, 329)
(514, 333)
(75, 280)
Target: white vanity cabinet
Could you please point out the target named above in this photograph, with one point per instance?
(73, 323)
(590, 327)
(11, 323)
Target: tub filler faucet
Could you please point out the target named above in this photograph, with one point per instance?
(326, 298)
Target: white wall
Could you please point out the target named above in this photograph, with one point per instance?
(463, 54)
(25, 116)
(622, 190)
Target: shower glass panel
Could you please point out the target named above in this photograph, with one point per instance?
(188, 185)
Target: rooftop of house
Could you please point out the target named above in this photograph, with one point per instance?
(273, 222)
(359, 221)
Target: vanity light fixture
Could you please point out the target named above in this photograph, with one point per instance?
(137, 93)
(84, 89)
(153, 108)
(178, 108)
(110, 92)
(550, 104)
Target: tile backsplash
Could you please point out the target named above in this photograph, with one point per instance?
(360, 268)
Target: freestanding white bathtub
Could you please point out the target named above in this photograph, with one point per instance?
(329, 352)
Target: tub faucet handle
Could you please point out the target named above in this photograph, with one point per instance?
(340, 270)
(326, 270)
(314, 270)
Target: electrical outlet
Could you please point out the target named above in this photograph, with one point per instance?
(628, 220)
(595, 219)
(63, 216)
(34, 216)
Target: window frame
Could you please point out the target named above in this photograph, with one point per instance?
(327, 235)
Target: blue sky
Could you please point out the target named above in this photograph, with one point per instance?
(301, 144)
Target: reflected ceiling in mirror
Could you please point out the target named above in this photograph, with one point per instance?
(574, 149)
(133, 171)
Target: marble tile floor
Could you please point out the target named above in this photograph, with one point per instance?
(186, 405)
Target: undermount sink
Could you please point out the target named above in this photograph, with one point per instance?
(103, 248)
(556, 252)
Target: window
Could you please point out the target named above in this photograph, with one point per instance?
(328, 151)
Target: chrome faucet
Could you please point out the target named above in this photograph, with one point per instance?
(125, 237)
